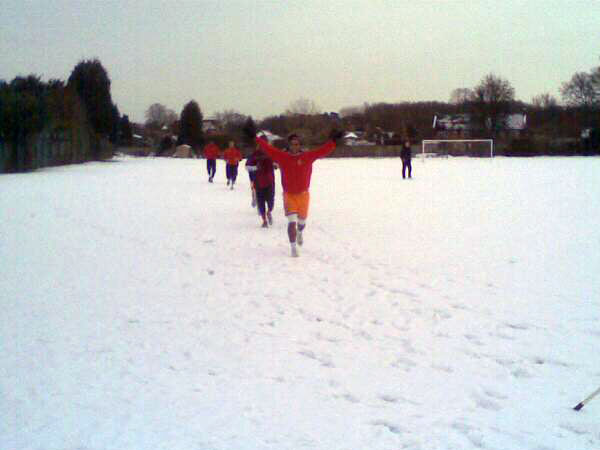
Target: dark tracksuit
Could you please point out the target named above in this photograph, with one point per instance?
(211, 167)
(405, 154)
(211, 153)
(265, 184)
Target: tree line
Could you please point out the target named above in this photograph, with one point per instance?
(29, 105)
(34, 112)
(488, 104)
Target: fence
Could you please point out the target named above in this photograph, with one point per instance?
(53, 148)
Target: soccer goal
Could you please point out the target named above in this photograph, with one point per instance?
(457, 147)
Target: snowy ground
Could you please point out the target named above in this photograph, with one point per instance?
(144, 308)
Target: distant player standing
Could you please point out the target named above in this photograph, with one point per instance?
(406, 156)
(296, 171)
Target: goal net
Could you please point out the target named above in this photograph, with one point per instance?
(458, 147)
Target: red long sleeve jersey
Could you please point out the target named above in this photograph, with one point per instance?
(211, 151)
(296, 170)
(232, 155)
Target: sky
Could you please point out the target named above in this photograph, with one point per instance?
(258, 57)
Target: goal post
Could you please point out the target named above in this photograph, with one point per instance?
(457, 147)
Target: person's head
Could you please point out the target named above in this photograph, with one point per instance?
(294, 143)
(231, 144)
(407, 143)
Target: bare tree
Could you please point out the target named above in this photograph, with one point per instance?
(231, 119)
(596, 81)
(158, 116)
(491, 101)
(460, 96)
(544, 101)
(579, 91)
(349, 111)
(303, 106)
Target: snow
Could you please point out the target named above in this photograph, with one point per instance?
(145, 308)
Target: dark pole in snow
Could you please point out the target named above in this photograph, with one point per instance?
(591, 396)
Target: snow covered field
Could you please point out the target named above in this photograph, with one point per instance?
(144, 308)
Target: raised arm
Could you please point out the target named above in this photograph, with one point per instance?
(329, 146)
(323, 150)
(274, 153)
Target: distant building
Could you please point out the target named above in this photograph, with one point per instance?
(458, 126)
(211, 126)
(271, 137)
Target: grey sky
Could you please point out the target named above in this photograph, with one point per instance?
(259, 56)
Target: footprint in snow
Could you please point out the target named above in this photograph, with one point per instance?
(575, 429)
(474, 339)
(517, 326)
(595, 333)
(441, 314)
(404, 363)
(442, 368)
(520, 372)
(348, 397)
(391, 427)
(486, 403)
(390, 398)
(324, 359)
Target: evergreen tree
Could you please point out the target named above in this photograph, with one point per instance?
(22, 108)
(91, 82)
(125, 133)
(191, 126)
(249, 131)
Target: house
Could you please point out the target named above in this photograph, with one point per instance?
(211, 126)
(183, 151)
(452, 122)
(461, 126)
(350, 138)
(270, 137)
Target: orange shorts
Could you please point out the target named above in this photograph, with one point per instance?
(296, 204)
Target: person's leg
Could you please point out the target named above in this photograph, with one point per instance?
(270, 199)
(289, 204)
(234, 172)
(292, 232)
(403, 169)
(409, 169)
(304, 202)
(253, 189)
(228, 173)
(260, 200)
(213, 169)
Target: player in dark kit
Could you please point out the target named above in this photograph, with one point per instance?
(264, 184)
(406, 156)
